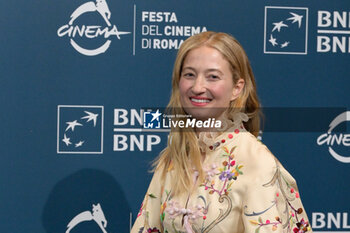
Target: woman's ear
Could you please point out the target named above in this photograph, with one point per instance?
(237, 89)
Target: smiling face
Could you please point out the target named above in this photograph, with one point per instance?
(206, 84)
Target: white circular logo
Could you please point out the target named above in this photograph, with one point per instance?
(90, 31)
(330, 138)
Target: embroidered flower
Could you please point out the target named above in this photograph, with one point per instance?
(302, 226)
(154, 229)
(174, 209)
(225, 175)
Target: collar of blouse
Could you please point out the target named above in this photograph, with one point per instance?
(212, 139)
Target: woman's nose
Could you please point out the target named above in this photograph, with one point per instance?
(198, 85)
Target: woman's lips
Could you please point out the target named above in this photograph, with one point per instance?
(199, 101)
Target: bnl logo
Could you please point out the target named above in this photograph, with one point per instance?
(151, 120)
(79, 129)
(285, 30)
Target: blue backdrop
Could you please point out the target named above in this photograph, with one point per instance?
(63, 62)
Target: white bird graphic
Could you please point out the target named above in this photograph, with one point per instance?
(79, 144)
(273, 41)
(90, 117)
(66, 140)
(296, 18)
(278, 26)
(285, 44)
(72, 124)
(155, 115)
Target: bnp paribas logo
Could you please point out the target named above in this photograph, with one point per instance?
(79, 129)
(285, 30)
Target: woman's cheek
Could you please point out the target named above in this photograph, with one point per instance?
(184, 85)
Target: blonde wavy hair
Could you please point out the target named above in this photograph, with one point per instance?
(182, 152)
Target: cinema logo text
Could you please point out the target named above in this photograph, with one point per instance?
(91, 31)
(160, 30)
(333, 32)
(336, 139)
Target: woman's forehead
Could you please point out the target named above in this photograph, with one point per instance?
(205, 58)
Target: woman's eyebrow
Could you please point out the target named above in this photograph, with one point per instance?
(188, 67)
(207, 70)
(214, 69)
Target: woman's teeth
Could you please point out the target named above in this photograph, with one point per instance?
(200, 100)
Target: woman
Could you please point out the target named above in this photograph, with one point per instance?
(222, 180)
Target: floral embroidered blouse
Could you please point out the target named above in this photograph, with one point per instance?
(246, 190)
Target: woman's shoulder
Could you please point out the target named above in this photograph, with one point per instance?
(258, 159)
(255, 154)
(249, 144)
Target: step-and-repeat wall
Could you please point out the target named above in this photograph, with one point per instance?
(76, 74)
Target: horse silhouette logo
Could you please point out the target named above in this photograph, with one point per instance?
(100, 6)
(96, 215)
(92, 31)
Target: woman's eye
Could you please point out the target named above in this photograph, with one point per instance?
(214, 77)
(188, 75)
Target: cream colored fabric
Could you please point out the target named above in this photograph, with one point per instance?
(246, 190)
